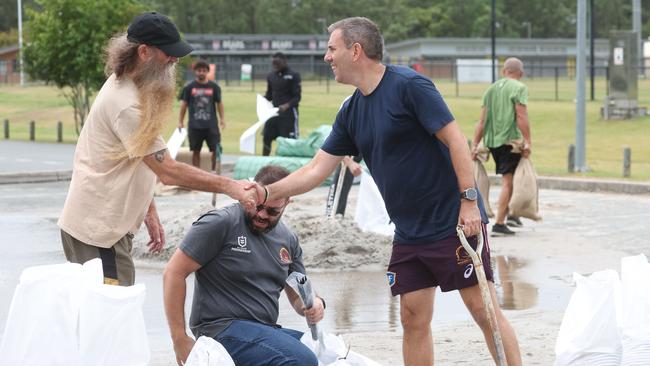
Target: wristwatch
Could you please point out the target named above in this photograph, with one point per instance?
(469, 194)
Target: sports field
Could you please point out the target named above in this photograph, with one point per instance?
(553, 122)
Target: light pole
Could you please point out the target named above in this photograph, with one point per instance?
(323, 23)
(636, 26)
(528, 28)
(493, 36)
(581, 33)
(20, 41)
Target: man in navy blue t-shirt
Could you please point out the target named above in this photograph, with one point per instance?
(399, 123)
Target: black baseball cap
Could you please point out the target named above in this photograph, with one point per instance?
(154, 29)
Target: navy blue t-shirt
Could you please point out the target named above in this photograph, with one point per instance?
(394, 129)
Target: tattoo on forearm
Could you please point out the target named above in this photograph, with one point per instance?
(160, 155)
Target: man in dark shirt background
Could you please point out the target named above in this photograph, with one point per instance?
(283, 89)
(204, 99)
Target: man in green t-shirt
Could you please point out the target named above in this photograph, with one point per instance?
(504, 121)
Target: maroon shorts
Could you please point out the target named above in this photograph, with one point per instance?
(444, 263)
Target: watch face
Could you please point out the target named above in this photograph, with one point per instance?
(470, 194)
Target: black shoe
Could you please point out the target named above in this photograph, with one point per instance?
(501, 230)
(514, 221)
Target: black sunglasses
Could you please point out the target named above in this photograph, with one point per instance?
(271, 211)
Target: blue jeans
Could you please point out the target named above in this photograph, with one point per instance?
(250, 344)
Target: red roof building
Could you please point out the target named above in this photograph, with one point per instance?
(9, 65)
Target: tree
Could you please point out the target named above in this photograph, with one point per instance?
(9, 37)
(8, 15)
(66, 41)
(398, 19)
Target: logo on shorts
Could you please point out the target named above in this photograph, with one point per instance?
(241, 242)
(284, 255)
(462, 257)
(392, 278)
(468, 270)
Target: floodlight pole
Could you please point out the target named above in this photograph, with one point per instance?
(636, 26)
(493, 35)
(580, 165)
(592, 37)
(20, 41)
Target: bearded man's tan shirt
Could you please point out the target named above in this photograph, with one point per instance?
(108, 197)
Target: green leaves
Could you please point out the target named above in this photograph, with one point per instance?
(66, 42)
(67, 39)
(398, 19)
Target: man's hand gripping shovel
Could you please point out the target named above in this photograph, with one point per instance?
(302, 286)
(485, 292)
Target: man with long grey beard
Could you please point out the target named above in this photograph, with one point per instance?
(120, 152)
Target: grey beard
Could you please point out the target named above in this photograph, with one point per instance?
(156, 77)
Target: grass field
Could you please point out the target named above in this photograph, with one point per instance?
(553, 122)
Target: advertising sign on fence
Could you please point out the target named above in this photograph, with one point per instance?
(474, 71)
(246, 71)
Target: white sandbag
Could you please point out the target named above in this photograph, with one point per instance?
(92, 273)
(63, 314)
(175, 141)
(524, 200)
(328, 349)
(332, 351)
(370, 214)
(589, 332)
(354, 359)
(247, 140)
(208, 352)
(635, 317)
(41, 326)
(111, 326)
(265, 110)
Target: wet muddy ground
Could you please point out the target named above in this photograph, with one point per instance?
(581, 232)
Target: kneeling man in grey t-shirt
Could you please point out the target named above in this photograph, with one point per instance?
(242, 259)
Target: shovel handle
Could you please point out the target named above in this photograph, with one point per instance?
(475, 255)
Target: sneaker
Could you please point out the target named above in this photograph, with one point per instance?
(501, 230)
(514, 221)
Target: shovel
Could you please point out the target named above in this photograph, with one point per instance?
(302, 286)
(217, 172)
(334, 194)
(485, 292)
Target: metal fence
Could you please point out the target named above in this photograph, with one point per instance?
(545, 82)
(8, 73)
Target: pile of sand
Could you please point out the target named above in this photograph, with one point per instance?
(339, 244)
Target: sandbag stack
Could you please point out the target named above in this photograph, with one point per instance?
(607, 321)
(63, 315)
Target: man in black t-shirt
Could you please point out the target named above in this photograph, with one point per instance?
(284, 90)
(203, 97)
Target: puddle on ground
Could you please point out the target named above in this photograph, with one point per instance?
(513, 293)
(361, 301)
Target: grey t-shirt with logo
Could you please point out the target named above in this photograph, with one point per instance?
(242, 273)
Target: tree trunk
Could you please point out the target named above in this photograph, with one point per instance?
(79, 98)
